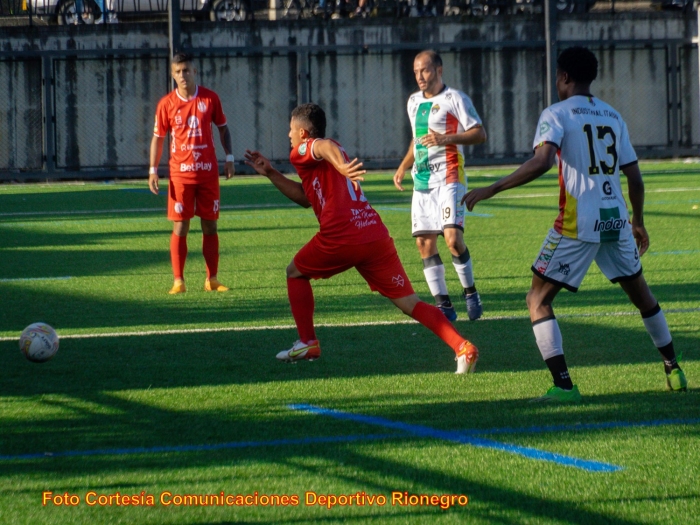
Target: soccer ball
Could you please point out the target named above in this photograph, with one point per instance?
(38, 342)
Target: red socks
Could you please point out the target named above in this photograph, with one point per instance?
(301, 299)
(210, 250)
(178, 255)
(434, 320)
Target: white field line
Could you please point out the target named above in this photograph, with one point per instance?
(331, 325)
(281, 205)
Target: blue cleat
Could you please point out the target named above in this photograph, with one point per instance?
(449, 310)
(474, 309)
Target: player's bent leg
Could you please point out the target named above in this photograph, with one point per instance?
(549, 341)
(466, 354)
(655, 323)
(301, 302)
(434, 272)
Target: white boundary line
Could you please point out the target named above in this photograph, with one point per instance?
(280, 205)
(331, 325)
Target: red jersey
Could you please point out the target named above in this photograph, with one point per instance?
(342, 211)
(192, 153)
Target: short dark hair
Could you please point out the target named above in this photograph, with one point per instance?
(312, 118)
(580, 63)
(433, 55)
(180, 58)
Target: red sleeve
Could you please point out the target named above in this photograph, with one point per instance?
(162, 123)
(217, 112)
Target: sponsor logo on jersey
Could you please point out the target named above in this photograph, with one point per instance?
(196, 155)
(544, 127)
(193, 123)
(178, 120)
(201, 106)
(435, 109)
(564, 269)
(607, 188)
(302, 149)
(196, 166)
(609, 224)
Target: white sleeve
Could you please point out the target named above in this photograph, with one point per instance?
(627, 154)
(465, 111)
(549, 130)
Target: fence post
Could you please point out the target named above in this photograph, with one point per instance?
(302, 77)
(550, 37)
(674, 103)
(47, 80)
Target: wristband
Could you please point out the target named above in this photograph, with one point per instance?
(153, 171)
(230, 158)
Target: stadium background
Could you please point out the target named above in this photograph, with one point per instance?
(80, 99)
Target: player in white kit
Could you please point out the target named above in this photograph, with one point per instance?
(443, 121)
(593, 145)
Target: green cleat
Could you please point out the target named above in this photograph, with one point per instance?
(676, 381)
(559, 395)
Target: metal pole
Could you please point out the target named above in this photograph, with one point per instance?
(674, 103)
(550, 46)
(174, 26)
(302, 77)
(49, 119)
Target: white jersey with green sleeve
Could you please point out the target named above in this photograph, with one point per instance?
(593, 144)
(450, 111)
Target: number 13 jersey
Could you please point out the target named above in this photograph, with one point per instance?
(593, 145)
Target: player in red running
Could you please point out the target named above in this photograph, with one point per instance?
(351, 235)
(187, 113)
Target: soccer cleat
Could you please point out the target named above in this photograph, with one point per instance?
(447, 309)
(676, 381)
(213, 285)
(559, 395)
(301, 351)
(474, 309)
(178, 287)
(466, 358)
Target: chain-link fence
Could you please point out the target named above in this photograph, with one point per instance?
(102, 108)
(21, 115)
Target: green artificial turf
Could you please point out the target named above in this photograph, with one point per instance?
(139, 369)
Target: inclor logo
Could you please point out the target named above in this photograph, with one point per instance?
(609, 225)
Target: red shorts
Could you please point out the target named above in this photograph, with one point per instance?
(376, 261)
(185, 200)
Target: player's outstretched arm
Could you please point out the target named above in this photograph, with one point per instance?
(154, 160)
(225, 136)
(529, 171)
(293, 190)
(635, 186)
(405, 165)
(328, 150)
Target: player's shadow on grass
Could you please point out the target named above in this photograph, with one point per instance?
(106, 421)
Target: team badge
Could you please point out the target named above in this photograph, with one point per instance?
(201, 106)
(302, 149)
(435, 109)
(544, 127)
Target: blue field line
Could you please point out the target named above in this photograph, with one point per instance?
(579, 426)
(461, 437)
(199, 448)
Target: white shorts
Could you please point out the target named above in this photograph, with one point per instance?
(436, 209)
(565, 261)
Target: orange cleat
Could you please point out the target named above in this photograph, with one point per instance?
(213, 285)
(178, 287)
(466, 358)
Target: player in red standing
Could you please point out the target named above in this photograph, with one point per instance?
(187, 113)
(351, 235)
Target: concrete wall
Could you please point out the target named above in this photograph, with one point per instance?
(359, 71)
